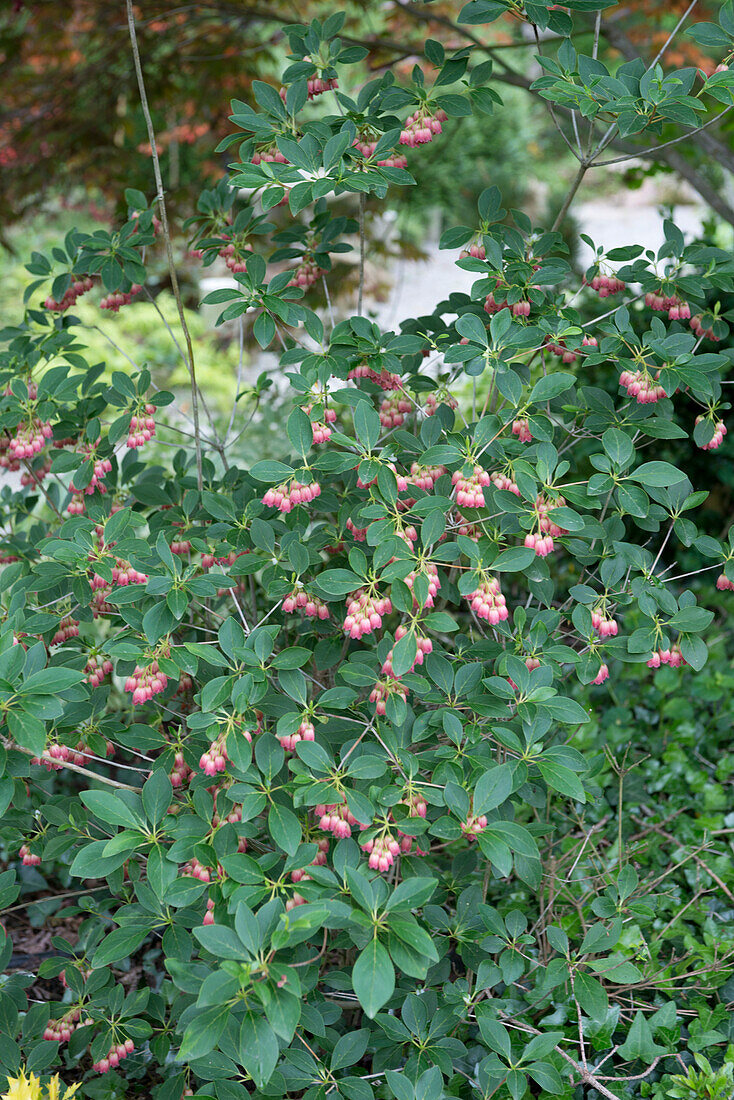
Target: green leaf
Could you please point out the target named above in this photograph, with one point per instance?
(411, 893)
(493, 788)
(639, 1043)
(258, 1048)
(366, 425)
(221, 941)
(50, 681)
(552, 385)
(111, 809)
(470, 326)
(270, 470)
(657, 474)
(338, 582)
(373, 978)
(28, 732)
(618, 446)
(349, 1048)
(157, 796)
(264, 329)
(121, 943)
(285, 828)
(561, 779)
(203, 1033)
(514, 560)
(299, 431)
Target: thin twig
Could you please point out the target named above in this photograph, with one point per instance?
(673, 33)
(362, 204)
(166, 235)
(83, 771)
(583, 168)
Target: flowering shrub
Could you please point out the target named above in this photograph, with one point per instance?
(303, 742)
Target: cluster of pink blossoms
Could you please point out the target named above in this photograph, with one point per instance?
(27, 857)
(235, 256)
(530, 663)
(145, 682)
(487, 601)
(367, 147)
(29, 439)
(474, 825)
(384, 378)
(142, 427)
(696, 324)
(114, 1056)
(180, 772)
(430, 572)
(210, 559)
(288, 494)
(358, 533)
(542, 541)
(67, 628)
(424, 646)
(503, 481)
(521, 429)
(672, 657)
(96, 670)
(320, 428)
(469, 489)
(603, 624)
(717, 438)
(364, 613)
(60, 1031)
(642, 386)
(122, 575)
(57, 755)
(393, 410)
(675, 307)
(305, 275)
(521, 309)
(422, 126)
(425, 477)
(102, 466)
(271, 155)
(214, 759)
(115, 301)
(317, 85)
(77, 288)
(560, 349)
(607, 285)
(305, 732)
(492, 306)
(476, 249)
(319, 860)
(382, 851)
(200, 871)
(382, 691)
(434, 400)
(311, 606)
(337, 819)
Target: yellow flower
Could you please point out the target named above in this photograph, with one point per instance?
(20, 1088)
(29, 1088)
(54, 1087)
